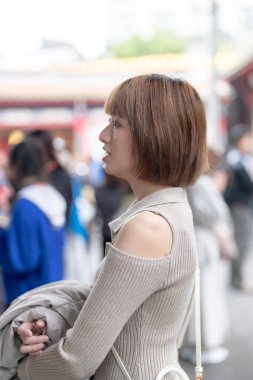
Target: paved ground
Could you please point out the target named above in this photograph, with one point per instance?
(239, 364)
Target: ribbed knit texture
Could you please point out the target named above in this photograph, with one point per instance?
(137, 304)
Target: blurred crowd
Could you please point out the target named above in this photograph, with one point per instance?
(54, 215)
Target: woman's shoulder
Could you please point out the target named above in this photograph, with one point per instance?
(146, 234)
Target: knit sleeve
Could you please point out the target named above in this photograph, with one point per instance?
(123, 284)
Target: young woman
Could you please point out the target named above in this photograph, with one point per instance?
(156, 141)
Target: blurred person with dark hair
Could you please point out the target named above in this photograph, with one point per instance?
(54, 171)
(109, 197)
(239, 194)
(31, 246)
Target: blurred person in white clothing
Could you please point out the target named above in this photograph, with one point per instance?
(216, 246)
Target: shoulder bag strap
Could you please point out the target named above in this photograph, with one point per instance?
(198, 368)
(120, 363)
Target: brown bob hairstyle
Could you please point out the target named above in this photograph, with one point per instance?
(167, 125)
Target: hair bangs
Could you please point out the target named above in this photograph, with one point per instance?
(116, 104)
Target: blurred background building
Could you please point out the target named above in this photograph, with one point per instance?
(59, 61)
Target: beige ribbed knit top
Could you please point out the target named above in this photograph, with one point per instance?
(139, 305)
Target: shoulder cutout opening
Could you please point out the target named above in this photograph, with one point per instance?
(147, 235)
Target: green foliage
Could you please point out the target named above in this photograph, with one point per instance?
(161, 42)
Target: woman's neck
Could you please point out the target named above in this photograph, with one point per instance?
(143, 188)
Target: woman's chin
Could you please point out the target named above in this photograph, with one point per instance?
(115, 173)
(107, 170)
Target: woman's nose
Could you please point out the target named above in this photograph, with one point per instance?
(105, 135)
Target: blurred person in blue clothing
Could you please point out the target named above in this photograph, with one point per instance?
(76, 254)
(31, 246)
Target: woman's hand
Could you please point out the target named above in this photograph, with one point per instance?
(31, 335)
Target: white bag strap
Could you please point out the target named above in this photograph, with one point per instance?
(198, 368)
(120, 363)
(175, 368)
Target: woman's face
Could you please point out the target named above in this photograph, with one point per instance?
(117, 145)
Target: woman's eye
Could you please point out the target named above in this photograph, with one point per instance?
(115, 123)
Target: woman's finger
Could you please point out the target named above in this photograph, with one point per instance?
(25, 329)
(39, 326)
(31, 348)
(35, 339)
(28, 329)
(36, 353)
